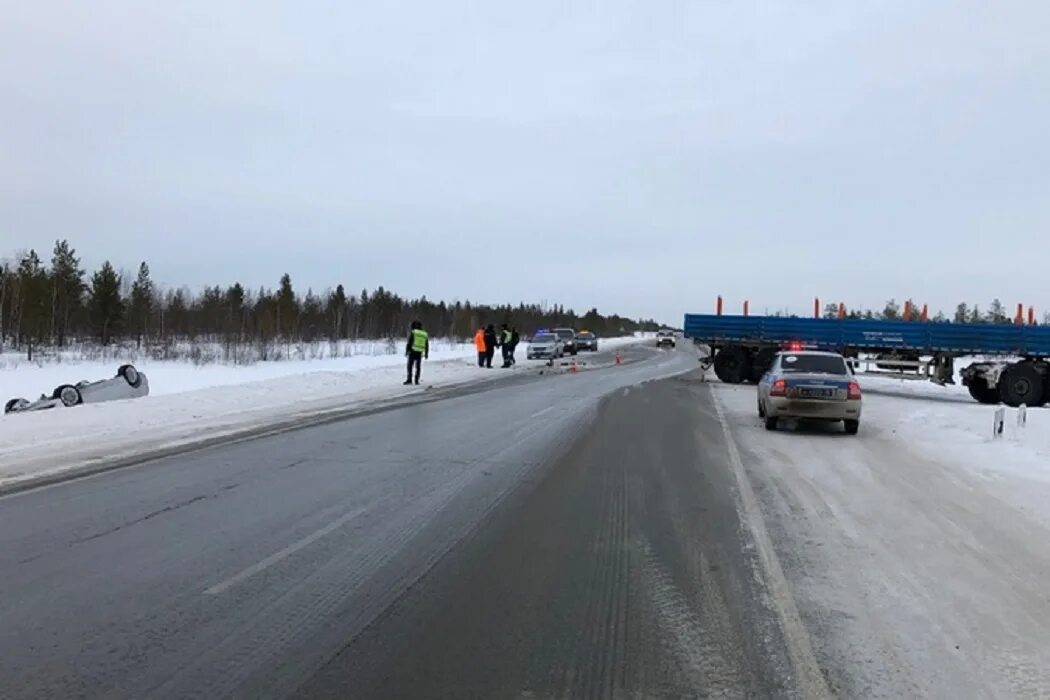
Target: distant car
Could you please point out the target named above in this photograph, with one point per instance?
(545, 346)
(810, 384)
(128, 384)
(568, 339)
(585, 340)
(665, 337)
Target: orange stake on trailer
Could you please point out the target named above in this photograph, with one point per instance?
(907, 310)
(842, 310)
(1031, 315)
(925, 312)
(746, 306)
(718, 305)
(816, 307)
(1019, 318)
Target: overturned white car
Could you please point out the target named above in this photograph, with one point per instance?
(128, 384)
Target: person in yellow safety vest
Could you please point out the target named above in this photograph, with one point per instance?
(417, 349)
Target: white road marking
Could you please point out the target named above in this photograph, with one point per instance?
(799, 645)
(286, 552)
(537, 414)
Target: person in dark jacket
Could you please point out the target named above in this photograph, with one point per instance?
(491, 343)
(514, 340)
(417, 348)
(505, 338)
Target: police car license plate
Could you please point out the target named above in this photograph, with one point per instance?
(816, 393)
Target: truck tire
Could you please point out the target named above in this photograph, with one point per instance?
(68, 394)
(983, 393)
(733, 365)
(761, 363)
(1021, 383)
(130, 374)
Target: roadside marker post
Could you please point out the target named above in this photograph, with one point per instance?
(997, 423)
(619, 357)
(1022, 416)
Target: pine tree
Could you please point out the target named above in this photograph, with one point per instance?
(287, 308)
(34, 308)
(141, 303)
(106, 307)
(235, 311)
(335, 310)
(892, 311)
(996, 313)
(5, 283)
(67, 289)
(962, 313)
(975, 315)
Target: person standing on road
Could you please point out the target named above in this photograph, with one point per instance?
(479, 345)
(514, 340)
(417, 349)
(491, 343)
(505, 338)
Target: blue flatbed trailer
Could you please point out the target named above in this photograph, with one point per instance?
(747, 344)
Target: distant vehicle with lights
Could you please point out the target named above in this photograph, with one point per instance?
(665, 338)
(585, 340)
(545, 345)
(810, 384)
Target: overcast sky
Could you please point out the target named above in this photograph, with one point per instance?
(638, 157)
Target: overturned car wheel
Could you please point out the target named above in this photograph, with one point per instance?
(130, 374)
(15, 405)
(68, 394)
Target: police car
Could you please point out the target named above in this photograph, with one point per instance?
(812, 385)
(545, 346)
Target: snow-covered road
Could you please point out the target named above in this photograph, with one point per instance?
(919, 551)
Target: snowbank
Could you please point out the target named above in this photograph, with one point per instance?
(945, 425)
(190, 405)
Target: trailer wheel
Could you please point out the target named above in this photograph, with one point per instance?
(1021, 383)
(68, 394)
(983, 393)
(761, 363)
(733, 365)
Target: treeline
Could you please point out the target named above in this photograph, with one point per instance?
(910, 311)
(51, 303)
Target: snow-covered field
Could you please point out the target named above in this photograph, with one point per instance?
(18, 377)
(190, 404)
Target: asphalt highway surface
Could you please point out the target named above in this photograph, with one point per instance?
(624, 531)
(553, 535)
